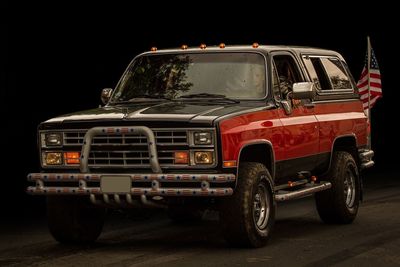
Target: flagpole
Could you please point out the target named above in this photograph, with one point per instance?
(369, 89)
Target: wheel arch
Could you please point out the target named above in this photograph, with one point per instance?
(258, 151)
(348, 143)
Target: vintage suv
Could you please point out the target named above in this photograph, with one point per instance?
(235, 129)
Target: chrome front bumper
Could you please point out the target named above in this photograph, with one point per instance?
(141, 184)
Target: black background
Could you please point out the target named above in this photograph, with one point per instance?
(58, 57)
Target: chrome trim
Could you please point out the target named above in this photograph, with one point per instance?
(302, 192)
(136, 177)
(334, 91)
(79, 185)
(91, 133)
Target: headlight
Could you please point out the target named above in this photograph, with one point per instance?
(202, 138)
(52, 158)
(203, 157)
(51, 139)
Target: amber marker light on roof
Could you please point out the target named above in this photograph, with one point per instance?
(314, 178)
(153, 49)
(203, 46)
(184, 47)
(255, 45)
(221, 45)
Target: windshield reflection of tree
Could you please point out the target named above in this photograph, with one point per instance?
(158, 77)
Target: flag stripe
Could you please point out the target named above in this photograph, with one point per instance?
(375, 84)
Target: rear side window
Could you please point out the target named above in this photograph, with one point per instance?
(337, 73)
(327, 73)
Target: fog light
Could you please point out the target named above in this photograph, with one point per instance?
(181, 157)
(203, 157)
(53, 158)
(72, 157)
(202, 138)
(53, 139)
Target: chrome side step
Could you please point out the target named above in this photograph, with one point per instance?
(308, 190)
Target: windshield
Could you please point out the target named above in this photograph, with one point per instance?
(171, 76)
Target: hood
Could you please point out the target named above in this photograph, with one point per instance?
(203, 112)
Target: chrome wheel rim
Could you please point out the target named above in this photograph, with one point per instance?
(349, 189)
(261, 207)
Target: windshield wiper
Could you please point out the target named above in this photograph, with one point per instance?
(210, 97)
(136, 97)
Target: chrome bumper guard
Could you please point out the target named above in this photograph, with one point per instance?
(79, 184)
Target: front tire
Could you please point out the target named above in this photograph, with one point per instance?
(247, 217)
(340, 203)
(74, 220)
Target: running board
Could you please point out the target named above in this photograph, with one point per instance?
(308, 190)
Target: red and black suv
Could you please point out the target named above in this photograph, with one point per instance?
(235, 129)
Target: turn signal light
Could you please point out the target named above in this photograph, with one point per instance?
(230, 163)
(72, 157)
(181, 157)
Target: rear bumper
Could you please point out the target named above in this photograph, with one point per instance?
(366, 158)
(140, 184)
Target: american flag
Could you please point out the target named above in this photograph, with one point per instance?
(374, 81)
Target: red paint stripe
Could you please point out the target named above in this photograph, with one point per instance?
(137, 191)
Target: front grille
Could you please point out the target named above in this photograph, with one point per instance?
(138, 159)
(129, 151)
(163, 137)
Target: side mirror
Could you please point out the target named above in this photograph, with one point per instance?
(304, 90)
(105, 95)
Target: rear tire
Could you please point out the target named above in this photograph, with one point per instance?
(248, 216)
(74, 220)
(340, 203)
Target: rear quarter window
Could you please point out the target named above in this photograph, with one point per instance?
(327, 73)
